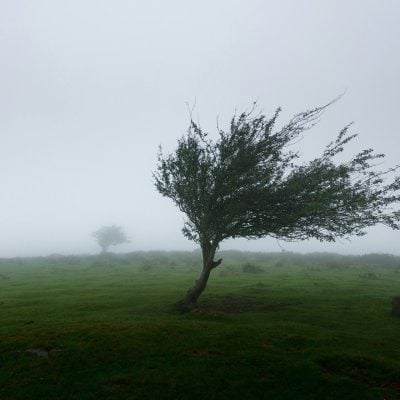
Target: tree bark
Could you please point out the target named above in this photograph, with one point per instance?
(193, 294)
(104, 249)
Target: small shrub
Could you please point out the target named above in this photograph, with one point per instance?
(396, 306)
(369, 275)
(280, 264)
(334, 264)
(146, 267)
(124, 261)
(101, 264)
(250, 268)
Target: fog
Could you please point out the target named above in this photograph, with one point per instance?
(90, 89)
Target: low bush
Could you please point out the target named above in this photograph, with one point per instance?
(250, 268)
(396, 306)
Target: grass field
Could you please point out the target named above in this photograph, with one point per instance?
(298, 327)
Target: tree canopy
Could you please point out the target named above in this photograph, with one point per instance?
(108, 236)
(249, 183)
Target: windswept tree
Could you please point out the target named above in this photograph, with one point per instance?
(108, 236)
(249, 183)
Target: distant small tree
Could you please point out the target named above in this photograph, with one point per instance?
(247, 184)
(108, 236)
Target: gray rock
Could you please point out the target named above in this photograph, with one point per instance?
(43, 353)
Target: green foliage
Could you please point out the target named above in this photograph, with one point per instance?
(108, 236)
(247, 184)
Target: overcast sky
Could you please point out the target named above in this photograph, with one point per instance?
(90, 88)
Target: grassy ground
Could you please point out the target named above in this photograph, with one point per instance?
(97, 328)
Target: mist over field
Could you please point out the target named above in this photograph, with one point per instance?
(116, 115)
(89, 90)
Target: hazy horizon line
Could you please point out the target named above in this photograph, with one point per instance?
(110, 253)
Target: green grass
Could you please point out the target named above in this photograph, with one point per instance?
(303, 329)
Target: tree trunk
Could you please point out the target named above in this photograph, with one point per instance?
(192, 295)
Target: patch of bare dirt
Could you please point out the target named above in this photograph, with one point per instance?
(232, 304)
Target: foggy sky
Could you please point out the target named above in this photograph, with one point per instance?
(89, 89)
